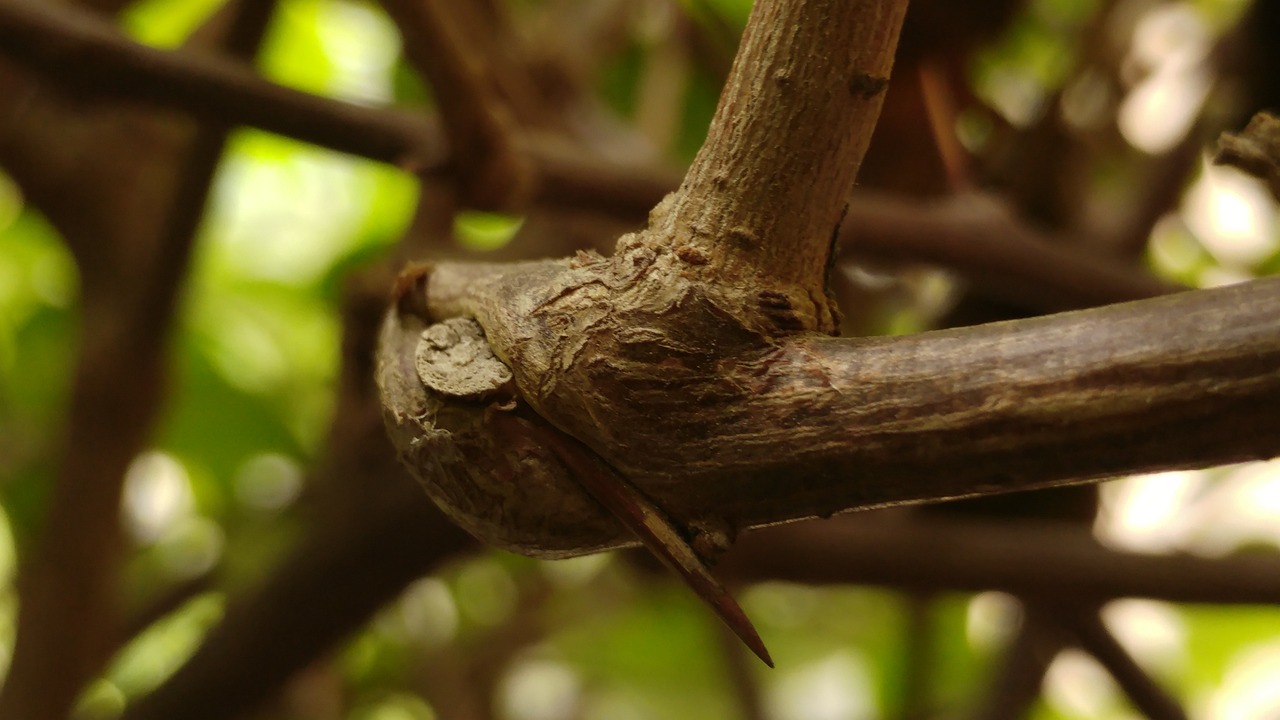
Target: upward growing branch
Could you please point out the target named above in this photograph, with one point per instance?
(770, 184)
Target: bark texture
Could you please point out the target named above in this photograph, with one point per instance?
(731, 262)
(726, 428)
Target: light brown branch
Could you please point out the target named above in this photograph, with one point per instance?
(767, 189)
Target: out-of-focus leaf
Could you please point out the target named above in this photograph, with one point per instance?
(484, 230)
(1215, 635)
(293, 53)
(166, 23)
(661, 648)
(156, 653)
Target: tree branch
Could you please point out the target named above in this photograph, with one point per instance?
(767, 189)
(1255, 150)
(812, 426)
(1025, 559)
(1016, 686)
(370, 534)
(127, 211)
(495, 175)
(92, 56)
(1088, 631)
(1003, 257)
(979, 237)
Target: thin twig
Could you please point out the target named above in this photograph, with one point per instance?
(742, 679)
(1255, 150)
(920, 665)
(1020, 672)
(356, 567)
(1088, 631)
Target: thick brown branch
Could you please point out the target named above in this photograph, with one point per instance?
(1188, 380)
(814, 426)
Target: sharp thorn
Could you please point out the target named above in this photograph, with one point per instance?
(662, 538)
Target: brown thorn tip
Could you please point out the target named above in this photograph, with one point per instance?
(659, 535)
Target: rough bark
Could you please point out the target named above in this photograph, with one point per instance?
(1256, 150)
(763, 431)
(724, 266)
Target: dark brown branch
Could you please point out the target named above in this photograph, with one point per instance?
(1088, 631)
(1020, 673)
(372, 532)
(978, 237)
(67, 592)
(90, 56)
(322, 592)
(985, 246)
(494, 175)
(1027, 560)
(1255, 150)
